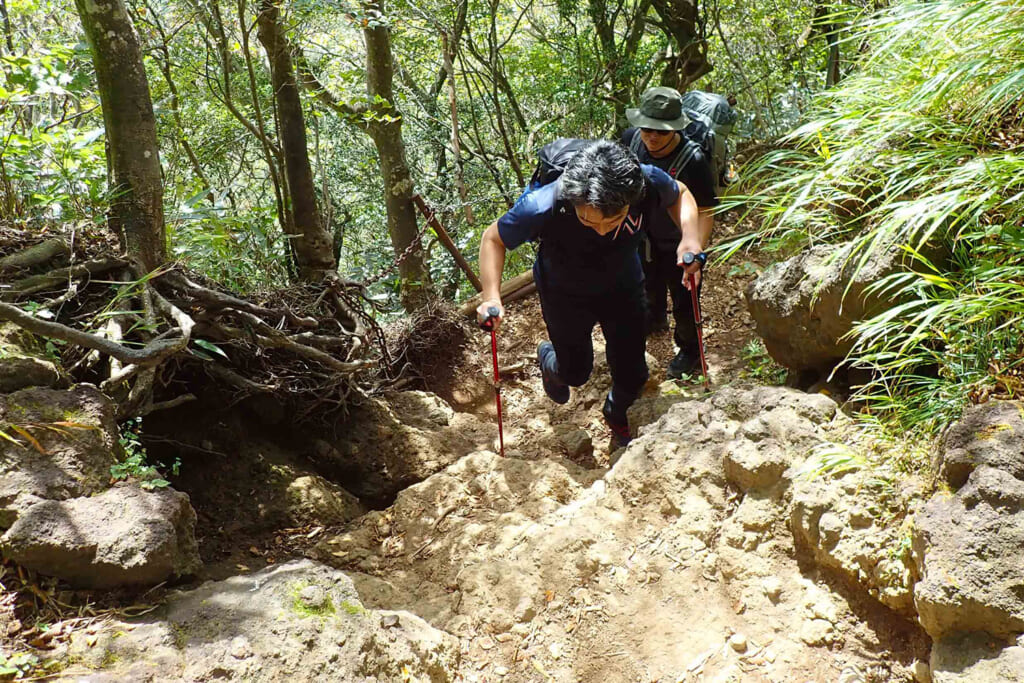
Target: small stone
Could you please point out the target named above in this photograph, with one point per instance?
(710, 562)
(525, 611)
(577, 442)
(772, 587)
(738, 642)
(556, 650)
(830, 526)
(240, 648)
(486, 643)
(817, 632)
(313, 597)
(500, 671)
(341, 639)
(389, 621)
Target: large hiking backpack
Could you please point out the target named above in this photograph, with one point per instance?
(553, 158)
(717, 118)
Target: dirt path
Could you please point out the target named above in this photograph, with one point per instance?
(551, 568)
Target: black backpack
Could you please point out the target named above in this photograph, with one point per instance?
(553, 158)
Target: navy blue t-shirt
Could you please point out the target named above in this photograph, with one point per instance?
(573, 258)
(696, 175)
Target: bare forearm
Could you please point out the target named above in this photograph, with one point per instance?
(705, 226)
(492, 263)
(684, 213)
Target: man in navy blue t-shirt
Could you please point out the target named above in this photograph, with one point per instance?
(588, 271)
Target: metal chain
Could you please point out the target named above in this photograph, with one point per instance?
(401, 258)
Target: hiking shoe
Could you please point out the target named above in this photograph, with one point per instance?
(620, 428)
(684, 363)
(556, 389)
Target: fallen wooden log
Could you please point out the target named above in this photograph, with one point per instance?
(508, 289)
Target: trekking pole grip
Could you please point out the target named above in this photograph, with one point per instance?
(487, 324)
(689, 257)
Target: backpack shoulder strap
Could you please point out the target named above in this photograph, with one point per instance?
(685, 155)
(635, 142)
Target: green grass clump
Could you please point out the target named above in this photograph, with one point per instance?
(921, 148)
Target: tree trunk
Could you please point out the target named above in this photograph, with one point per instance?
(619, 59)
(826, 23)
(136, 211)
(689, 61)
(386, 130)
(7, 27)
(460, 181)
(312, 245)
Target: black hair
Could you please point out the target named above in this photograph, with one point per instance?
(604, 175)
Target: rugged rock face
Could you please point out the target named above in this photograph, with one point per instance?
(542, 566)
(300, 621)
(850, 524)
(386, 448)
(124, 536)
(969, 544)
(804, 306)
(991, 434)
(969, 547)
(976, 658)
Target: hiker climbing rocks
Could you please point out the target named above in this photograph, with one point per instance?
(664, 136)
(588, 222)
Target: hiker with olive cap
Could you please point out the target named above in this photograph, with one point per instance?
(588, 272)
(661, 136)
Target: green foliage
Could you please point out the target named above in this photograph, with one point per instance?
(18, 665)
(921, 149)
(135, 464)
(243, 252)
(760, 366)
(49, 170)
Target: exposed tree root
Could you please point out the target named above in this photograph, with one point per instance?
(312, 345)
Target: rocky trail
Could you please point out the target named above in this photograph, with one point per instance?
(729, 542)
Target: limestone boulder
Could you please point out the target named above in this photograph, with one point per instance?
(991, 434)
(968, 547)
(77, 441)
(845, 523)
(299, 621)
(125, 536)
(976, 658)
(803, 307)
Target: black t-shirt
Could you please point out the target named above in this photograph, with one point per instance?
(696, 175)
(573, 258)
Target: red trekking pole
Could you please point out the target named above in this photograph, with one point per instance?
(698, 320)
(488, 326)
